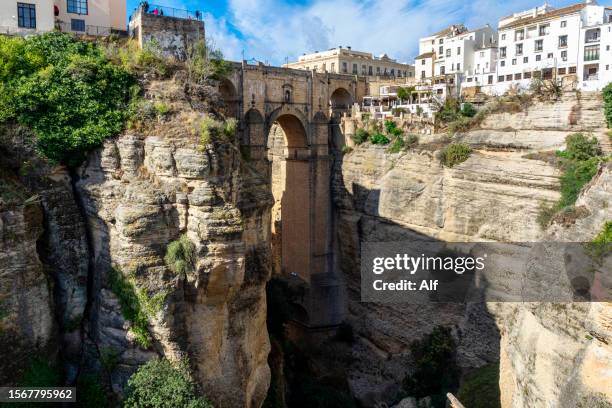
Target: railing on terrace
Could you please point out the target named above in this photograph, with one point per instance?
(88, 30)
(166, 11)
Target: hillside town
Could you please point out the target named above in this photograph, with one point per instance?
(570, 46)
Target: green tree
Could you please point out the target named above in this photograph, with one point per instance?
(161, 383)
(607, 97)
(65, 90)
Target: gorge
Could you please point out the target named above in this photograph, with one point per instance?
(280, 201)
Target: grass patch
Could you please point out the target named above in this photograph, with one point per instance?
(454, 154)
(180, 255)
(136, 305)
(397, 145)
(480, 388)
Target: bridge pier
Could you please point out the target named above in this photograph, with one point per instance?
(297, 163)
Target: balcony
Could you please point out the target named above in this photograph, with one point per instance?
(591, 53)
(592, 36)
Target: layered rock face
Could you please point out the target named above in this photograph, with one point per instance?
(111, 221)
(495, 195)
(139, 194)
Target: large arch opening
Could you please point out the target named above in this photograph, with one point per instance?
(290, 184)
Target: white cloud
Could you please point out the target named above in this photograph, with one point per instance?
(272, 30)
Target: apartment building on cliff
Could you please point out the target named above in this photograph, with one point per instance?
(448, 56)
(345, 60)
(571, 44)
(91, 17)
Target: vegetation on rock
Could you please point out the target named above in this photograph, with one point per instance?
(66, 90)
(435, 370)
(579, 163)
(212, 130)
(454, 154)
(601, 245)
(607, 97)
(180, 255)
(161, 383)
(480, 388)
(136, 305)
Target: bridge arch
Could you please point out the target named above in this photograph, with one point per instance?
(229, 96)
(340, 99)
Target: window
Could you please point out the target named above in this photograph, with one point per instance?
(532, 31)
(539, 45)
(26, 14)
(453, 66)
(440, 91)
(441, 51)
(481, 54)
(502, 63)
(364, 70)
(519, 35)
(458, 67)
(514, 61)
(469, 79)
(344, 67)
(538, 57)
(422, 74)
(527, 75)
(370, 71)
(572, 70)
(441, 41)
(458, 50)
(563, 24)
(607, 48)
(354, 68)
(509, 77)
(77, 25)
(502, 52)
(422, 62)
(503, 38)
(377, 70)
(564, 55)
(518, 76)
(561, 71)
(490, 80)
(525, 60)
(392, 71)
(519, 49)
(550, 55)
(562, 41)
(324, 68)
(592, 35)
(500, 78)
(448, 52)
(544, 29)
(333, 67)
(591, 53)
(442, 70)
(77, 6)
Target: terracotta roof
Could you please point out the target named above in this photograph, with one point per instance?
(543, 17)
(425, 55)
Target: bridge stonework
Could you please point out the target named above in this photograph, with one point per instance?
(306, 106)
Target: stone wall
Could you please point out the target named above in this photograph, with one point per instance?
(174, 35)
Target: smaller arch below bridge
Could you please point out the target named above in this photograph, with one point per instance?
(340, 99)
(230, 98)
(294, 125)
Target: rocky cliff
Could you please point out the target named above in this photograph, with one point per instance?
(108, 225)
(495, 195)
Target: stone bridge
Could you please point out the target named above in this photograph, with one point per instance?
(288, 128)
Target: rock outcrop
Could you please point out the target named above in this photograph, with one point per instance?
(495, 195)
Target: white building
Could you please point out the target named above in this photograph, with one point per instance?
(564, 44)
(448, 58)
(26, 17)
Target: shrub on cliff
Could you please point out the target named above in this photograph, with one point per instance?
(607, 97)
(435, 370)
(361, 136)
(379, 139)
(163, 384)
(480, 388)
(579, 147)
(454, 154)
(65, 90)
(180, 255)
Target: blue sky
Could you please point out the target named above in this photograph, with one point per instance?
(273, 30)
